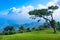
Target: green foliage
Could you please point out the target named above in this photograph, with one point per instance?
(43, 27)
(40, 12)
(1, 33)
(35, 12)
(8, 30)
(53, 23)
(33, 28)
(44, 13)
(53, 7)
(40, 27)
(28, 30)
(58, 26)
(21, 29)
(58, 23)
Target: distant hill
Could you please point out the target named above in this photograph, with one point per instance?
(16, 26)
(33, 24)
(17, 20)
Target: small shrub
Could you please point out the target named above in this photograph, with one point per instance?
(33, 28)
(21, 29)
(8, 30)
(28, 30)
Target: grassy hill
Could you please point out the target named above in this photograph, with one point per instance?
(34, 35)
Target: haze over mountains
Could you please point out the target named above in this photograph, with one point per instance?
(16, 20)
(19, 16)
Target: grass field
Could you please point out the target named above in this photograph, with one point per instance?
(35, 35)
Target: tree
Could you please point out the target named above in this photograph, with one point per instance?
(9, 30)
(53, 22)
(58, 23)
(44, 13)
(21, 29)
(33, 28)
(58, 26)
(28, 30)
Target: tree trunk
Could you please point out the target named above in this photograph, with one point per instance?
(53, 25)
(54, 30)
(51, 17)
(52, 22)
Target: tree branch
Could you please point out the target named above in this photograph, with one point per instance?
(45, 18)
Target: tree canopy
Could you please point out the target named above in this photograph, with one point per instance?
(44, 13)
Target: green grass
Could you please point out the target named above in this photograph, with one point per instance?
(35, 35)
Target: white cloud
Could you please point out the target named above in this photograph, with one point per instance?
(56, 14)
(53, 2)
(19, 15)
(22, 12)
(15, 10)
(27, 9)
(40, 6)
(23, 9)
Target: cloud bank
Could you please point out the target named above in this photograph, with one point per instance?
(20, 15)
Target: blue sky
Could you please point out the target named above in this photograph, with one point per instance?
(6, 4)
(16, 11)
